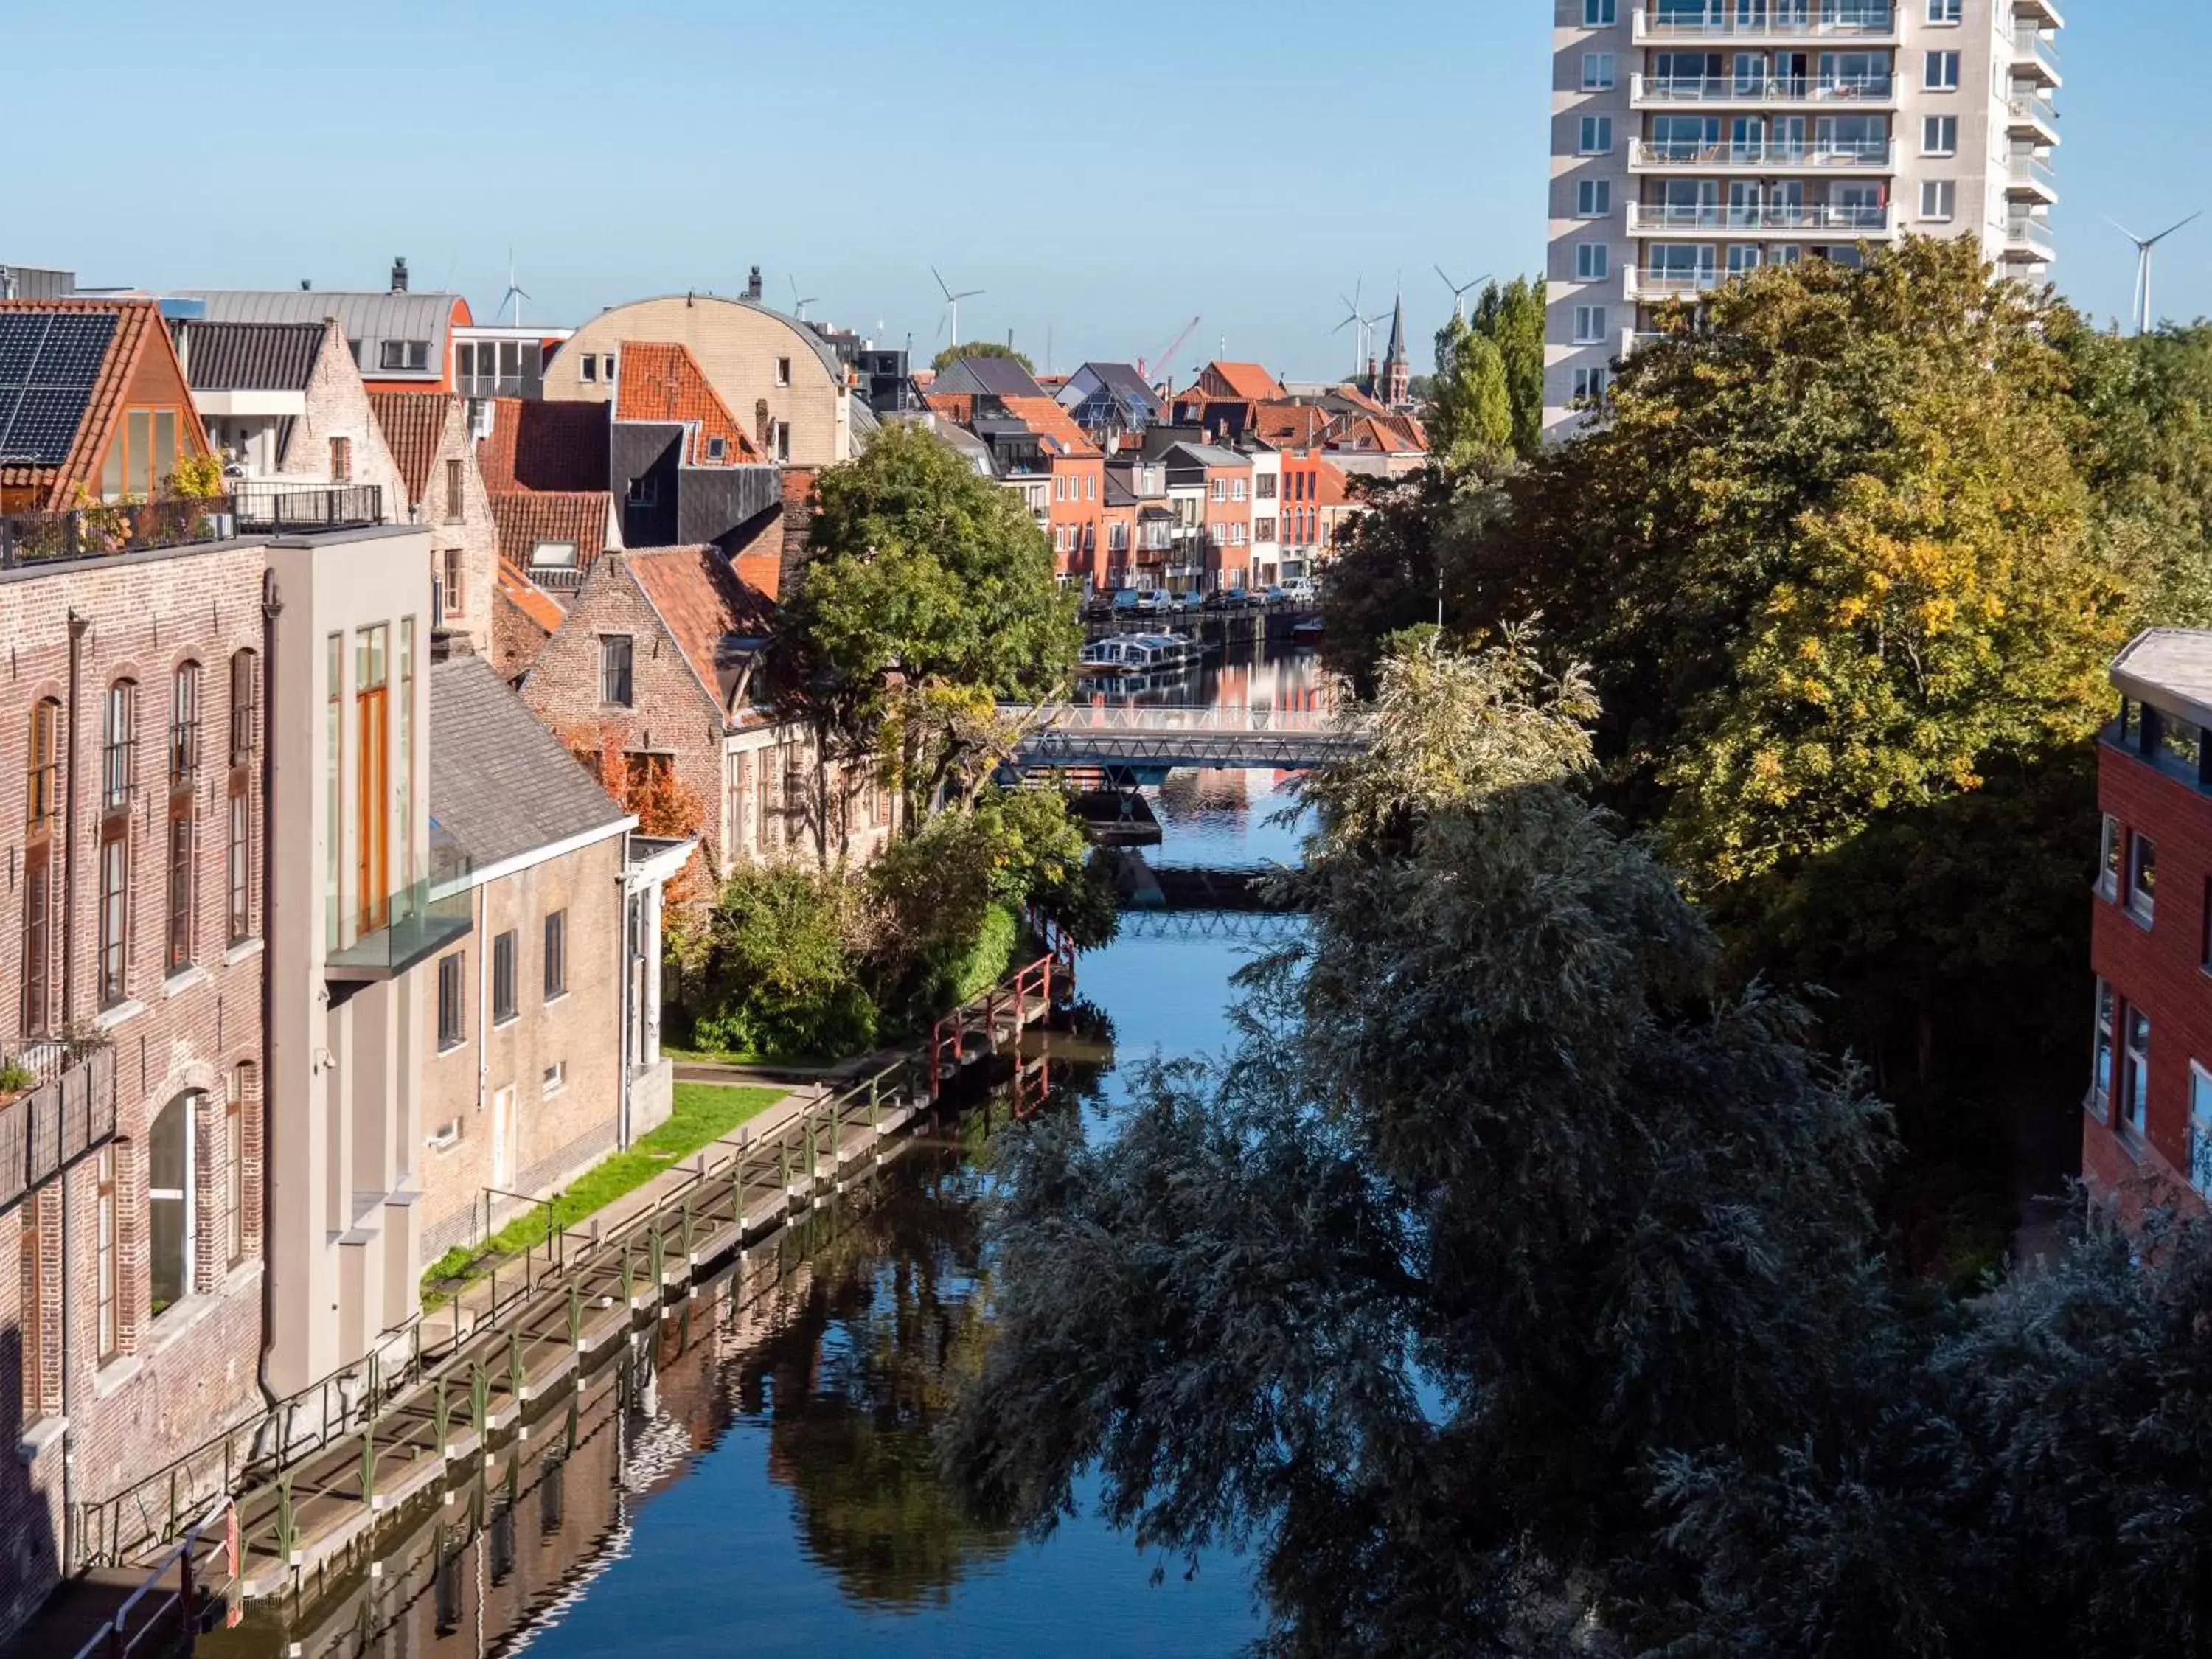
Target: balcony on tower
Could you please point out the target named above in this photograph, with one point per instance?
(1663, 22)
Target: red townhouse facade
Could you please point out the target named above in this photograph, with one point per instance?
(2147, 1115)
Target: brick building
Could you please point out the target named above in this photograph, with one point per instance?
(527, 1083)
(2147, 1120)
(435, 457)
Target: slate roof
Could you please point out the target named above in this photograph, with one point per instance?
(137, 324)
(501, 784)
(1002, 376)
(251, 357)
(1123, 381)
(414, 427)
(663, 382)
(1119, 494)
(545, 446)
(709, 612)
(524, 518)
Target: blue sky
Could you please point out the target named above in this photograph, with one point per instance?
(1104, 173)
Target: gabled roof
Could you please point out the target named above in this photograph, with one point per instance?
(707, 609)
(1250, 382)
(1119, 494)
(1329, 486)
(1299, 426)
(1375, 435)
(414, 427)
(952, 405)
(1123, 381)
(501, 784)
(1048, 420)
(524, 518)
(249, 357)
(545, 446)
(533, 601)
(1004, 377)
(662, 382)
(64, 365)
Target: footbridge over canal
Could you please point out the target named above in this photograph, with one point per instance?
(1153, 738)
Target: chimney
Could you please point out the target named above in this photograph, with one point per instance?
(304, 285)
(753, 285)
(399, 275)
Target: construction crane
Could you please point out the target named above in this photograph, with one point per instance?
(1143, 366)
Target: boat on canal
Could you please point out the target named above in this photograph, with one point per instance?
(1122, 656)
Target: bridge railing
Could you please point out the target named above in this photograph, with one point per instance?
(1168, 717)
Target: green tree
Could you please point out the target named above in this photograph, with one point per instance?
(929, 594)
(981, 349)
(2147, 453)
(1512, 318)
(1502, 1200)
(779, 971)
(1469, 407)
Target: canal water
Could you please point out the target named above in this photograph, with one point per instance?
(772, 1489)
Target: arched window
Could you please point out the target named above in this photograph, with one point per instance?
(183, 838)
(43, 764)
(244, 706)
(170, 1216)
(119, 777)
(185, 723)
(42, 810)
(118, 751)
(243, 1095)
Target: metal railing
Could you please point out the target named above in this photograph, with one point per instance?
(70, 1113)
(1761, 90)
(2031, 108)
(1719, 216)
(1749, 17)
(271, 509)
(1764, 152)
(101, 532)
(2027, 170)
(155, 1617)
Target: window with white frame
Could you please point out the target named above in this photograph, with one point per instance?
(2142, 877)
(1939, 199)
(1593, 261)
(1939, 135)
(1590, 384)
(1945, 11)
(1589, 325)
(1600, 14)
(555, 1075)
(1597, 71)
(1941, 72)
(587, 366)
(2108, 858)
(2200, 1128)
(1592, 199)
(2135, 1080)
(1597, 134)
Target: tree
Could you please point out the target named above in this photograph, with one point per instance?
(1512, 318)
(929, 596)
(1470, 408)
(1502, 1200)
(2146, 450)
(981, 349)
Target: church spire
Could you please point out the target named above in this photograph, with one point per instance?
(1397, 374)
(1397, 353)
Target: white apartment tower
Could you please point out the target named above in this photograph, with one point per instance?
(1693, 139)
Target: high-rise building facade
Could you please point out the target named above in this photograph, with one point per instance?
(1693, 140)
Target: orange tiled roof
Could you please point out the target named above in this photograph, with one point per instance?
(136, 323)
(533, 601)
(662, 381)
(1048, 420)
(1349, 391)
(527, 517)
(1330, 487)
(956, 406)
(702, 603)
(1298, 426)
(542, 446)
(1248, 381)
(414, 426)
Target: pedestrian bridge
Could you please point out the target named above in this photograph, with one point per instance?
(1151, 738)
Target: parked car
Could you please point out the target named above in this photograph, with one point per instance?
(1125, 601)
(1154, 601)
(1189, 604)
(1299, 590)
(1275, 596)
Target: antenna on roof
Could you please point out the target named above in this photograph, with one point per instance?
(1458, 291)
(799, 305)
(515, 295)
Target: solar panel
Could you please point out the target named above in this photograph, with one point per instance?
(38, 423)
(73, 350)
(19, 339)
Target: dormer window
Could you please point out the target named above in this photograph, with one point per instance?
(717, 449)
(553, 555)
(405, 354)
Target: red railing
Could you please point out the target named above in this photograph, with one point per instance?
(980, 1012)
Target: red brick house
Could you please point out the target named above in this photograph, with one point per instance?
(1075, 516)
(2147, 1113)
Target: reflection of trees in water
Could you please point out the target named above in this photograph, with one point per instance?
(890, 1327)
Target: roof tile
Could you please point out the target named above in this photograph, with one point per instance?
(414, 426)
(545, 446)
(704, 604)
(662, 381)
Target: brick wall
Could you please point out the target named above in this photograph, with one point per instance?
(516, 637)
(671, 712)
(470, 532)
(556, 1135)
(175, 1379)
(337, 407)
(2158, 968)
(797, 528)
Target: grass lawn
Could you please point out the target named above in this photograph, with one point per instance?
(704, 1112)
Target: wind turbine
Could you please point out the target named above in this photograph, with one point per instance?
(2143, 245)
(799, 305)
(1357, 324)
(515, 295)
(1459, 292)
(952, 305)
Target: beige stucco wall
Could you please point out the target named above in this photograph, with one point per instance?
(737, 347)
(557, 1132)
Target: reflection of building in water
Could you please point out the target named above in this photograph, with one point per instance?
(1189, 791)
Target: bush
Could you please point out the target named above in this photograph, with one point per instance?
(781, 969)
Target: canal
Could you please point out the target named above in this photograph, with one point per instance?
(769, 1488)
